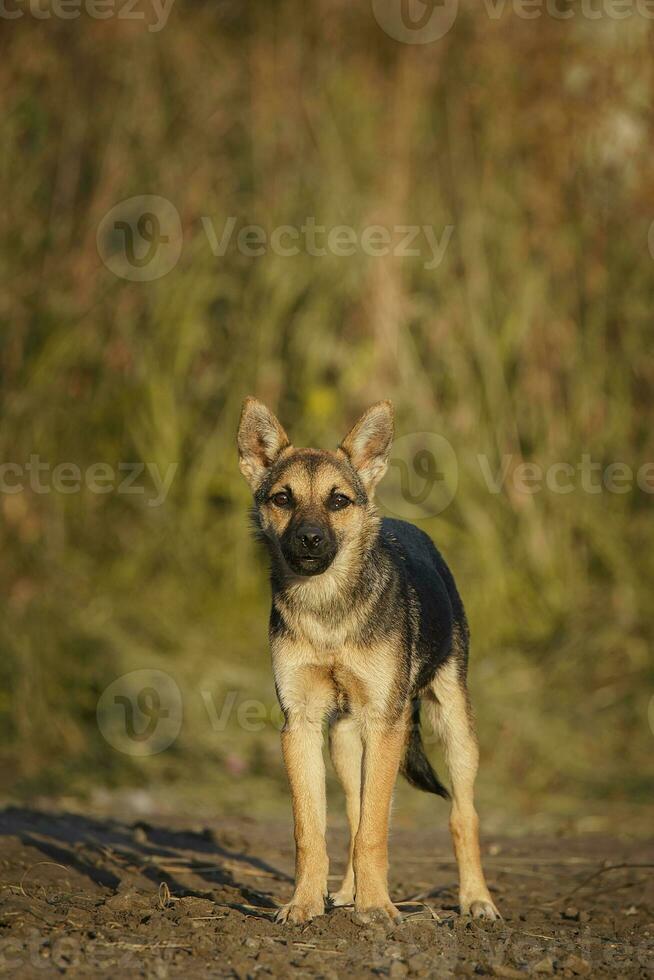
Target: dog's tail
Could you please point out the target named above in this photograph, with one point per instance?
(416, 767)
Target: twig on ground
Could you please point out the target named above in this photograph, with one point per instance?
(596, 874)
(165, 897)
(424, 905)
(53, 864)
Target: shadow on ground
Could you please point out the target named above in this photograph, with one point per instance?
(83, 896)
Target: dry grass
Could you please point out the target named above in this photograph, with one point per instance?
(531, 339)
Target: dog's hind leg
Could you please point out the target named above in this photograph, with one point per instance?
(453, 721)
(346, 749)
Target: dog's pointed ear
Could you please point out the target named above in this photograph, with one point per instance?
(368, 443)
(260, 440)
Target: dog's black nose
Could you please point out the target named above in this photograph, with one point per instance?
(310, 537)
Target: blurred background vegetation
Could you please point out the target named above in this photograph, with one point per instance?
(532, 338)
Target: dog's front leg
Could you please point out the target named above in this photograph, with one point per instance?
(383, 744)
(302, 750)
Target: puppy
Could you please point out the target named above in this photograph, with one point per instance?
(366, 623)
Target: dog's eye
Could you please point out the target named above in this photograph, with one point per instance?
(281, 499)
(338, 501)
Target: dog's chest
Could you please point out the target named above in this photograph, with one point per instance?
(313, 629)
(349, 686)
(341, 677)
(325, 639)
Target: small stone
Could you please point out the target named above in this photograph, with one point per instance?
(508, 972)
(632, 910)
(241, 971)
(418, 963)
(571, 913)
(584, 916)
(398, 969)
(129, 900)
(545, 966)
(577, 965)
(193, 905)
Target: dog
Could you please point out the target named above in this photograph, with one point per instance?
(366, 623)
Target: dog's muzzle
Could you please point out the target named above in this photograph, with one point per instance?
(309, 549)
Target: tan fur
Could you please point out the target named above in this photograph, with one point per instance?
(314, 594)
(312, 681)
(309, 679)
(330, 666)
(367, 444)
(383, 747)
(260, 440)
(311, 491)
(453, 722)
(302, 751)
(346, 750)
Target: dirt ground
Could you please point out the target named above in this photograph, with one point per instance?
(83, 896)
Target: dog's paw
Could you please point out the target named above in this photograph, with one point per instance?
(485, 910)
(297, 912)
(344, 896)
(384, 913)
(481, 908)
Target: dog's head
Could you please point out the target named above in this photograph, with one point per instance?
(312, 504)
